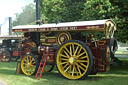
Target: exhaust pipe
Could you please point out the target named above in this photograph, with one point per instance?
(10, 26)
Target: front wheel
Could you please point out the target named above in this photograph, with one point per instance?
(29, 64)
(74, 59)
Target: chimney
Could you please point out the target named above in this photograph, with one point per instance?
(10, 26)
(0, 30)
(37, 11)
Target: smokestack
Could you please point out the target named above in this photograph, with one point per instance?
(0, 30)
(10, 26)
(37, 11)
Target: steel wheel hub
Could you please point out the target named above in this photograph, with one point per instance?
(71, 60)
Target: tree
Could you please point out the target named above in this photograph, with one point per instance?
(105, 9)
(25, 17)
(120, 15)
(65, 10)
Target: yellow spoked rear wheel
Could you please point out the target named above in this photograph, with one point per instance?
(74, 59)
(29, 64)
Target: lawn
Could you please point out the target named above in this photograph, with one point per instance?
(116, 76)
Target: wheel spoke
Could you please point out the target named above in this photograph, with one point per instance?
(66, 50)
(65, 65)
(70, 69)
(73, 48)
(79, 51)
(31, 60)
(70, 50)
(67, 68)
(76, 50)
(26, 61)
(83, 65)
(64, 59)
(80, 54)
(63, 55)
(83, 57)
(32, 65)
(80, 67)
(30, 70)
(81, 61)
(25, 64)
(66, 53)
(75, 70)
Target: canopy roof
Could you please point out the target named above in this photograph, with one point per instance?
(95, 25)
(10, 37)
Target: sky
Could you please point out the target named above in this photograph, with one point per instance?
(8, 8)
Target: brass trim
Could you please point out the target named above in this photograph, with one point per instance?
(50, 37)
(60, 33)
(100, 42)
(39, 50)
(43, 40)
(103, 67)
(48, 44)
(42, 49)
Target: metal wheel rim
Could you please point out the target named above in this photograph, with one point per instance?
(28, 65)
(80, 65)
(5, 56)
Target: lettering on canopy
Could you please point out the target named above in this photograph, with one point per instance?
(57, 29)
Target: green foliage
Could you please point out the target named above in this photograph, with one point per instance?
(121, 18)
(27, 16)
(96, 9)
(109, 9)
(65, 10)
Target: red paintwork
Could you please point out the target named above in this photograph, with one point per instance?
(50, 40)
(1, 59)
(71, 28)
(52, 51)
(99, 64)
(15, 53)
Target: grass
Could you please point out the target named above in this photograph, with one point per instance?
(116, 76)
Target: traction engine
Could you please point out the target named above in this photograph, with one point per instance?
(73, 47)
